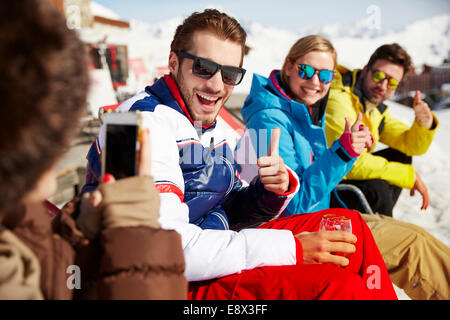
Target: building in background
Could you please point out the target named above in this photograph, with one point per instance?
(433, 82)
(106, 38)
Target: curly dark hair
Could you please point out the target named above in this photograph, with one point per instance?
(43, 88)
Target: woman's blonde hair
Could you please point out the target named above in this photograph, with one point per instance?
(302, 47)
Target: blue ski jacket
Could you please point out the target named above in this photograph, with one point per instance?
(303, 144)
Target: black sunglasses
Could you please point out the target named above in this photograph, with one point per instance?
(206, 69)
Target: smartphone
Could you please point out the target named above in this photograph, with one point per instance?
(121, 149)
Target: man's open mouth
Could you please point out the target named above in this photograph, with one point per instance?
(208, 101)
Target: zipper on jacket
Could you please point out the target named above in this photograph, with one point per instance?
(211, 147)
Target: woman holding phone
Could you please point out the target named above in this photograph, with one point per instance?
(43, 100)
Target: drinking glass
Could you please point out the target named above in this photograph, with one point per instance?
(335, 222)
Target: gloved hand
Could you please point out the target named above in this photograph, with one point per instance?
(356, 138)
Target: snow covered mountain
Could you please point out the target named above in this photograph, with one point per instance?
(427, 41)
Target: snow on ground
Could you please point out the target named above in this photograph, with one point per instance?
(434, 169)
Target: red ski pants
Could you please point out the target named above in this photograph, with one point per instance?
(365, 277)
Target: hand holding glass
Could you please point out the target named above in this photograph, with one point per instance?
(335, 222)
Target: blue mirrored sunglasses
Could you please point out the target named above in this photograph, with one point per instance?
(306, 71)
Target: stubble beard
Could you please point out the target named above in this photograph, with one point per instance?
(368, 94)
(188, 98)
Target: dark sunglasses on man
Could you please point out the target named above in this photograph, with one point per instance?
(206, 69)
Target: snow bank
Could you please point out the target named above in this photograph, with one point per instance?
(434, 169)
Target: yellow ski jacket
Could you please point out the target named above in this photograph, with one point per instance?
(346, 100)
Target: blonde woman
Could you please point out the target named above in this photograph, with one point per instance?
(294, 100)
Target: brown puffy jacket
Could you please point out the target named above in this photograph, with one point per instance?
(129, 262)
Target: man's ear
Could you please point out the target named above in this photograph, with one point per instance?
(173, 63)
(364, 70)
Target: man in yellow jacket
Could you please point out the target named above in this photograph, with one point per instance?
(381, 175)
(416, 261)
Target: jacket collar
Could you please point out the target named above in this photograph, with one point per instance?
(166, 90)
(274, 79)
(357, 89)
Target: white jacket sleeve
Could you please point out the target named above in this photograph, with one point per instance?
(208, 253)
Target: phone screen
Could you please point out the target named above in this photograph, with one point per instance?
(120, 157)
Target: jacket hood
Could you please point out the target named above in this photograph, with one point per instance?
(339, 82)
(350, 80)
(266, 93)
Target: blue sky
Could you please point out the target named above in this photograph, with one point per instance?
(286, 14)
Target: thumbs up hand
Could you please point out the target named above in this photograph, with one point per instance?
(357, 137)
(272, 171)
(422, 111)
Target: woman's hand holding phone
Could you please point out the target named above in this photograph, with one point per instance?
(131, 201)
(144, 166)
